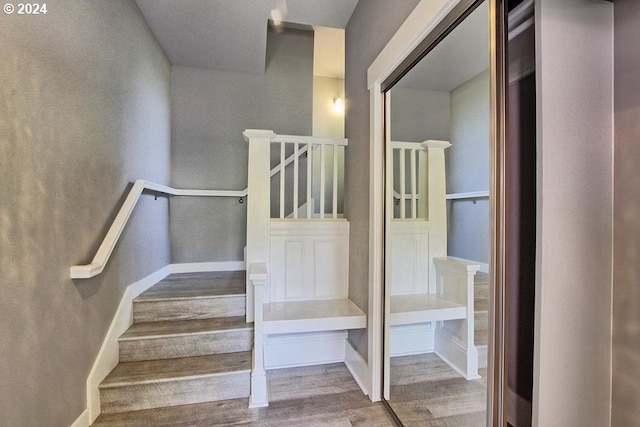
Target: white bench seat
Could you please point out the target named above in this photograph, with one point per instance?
(312, 316)
(424, 307)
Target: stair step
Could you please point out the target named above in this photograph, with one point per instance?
(193, 296)
(481, 337)
(481, 282)
(133, 386)
(185, 338)
(220, 413)
(481, 304)
(481, 320)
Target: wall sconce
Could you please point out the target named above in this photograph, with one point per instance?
(338, 105)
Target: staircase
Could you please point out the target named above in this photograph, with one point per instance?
(481, 323)
(189, 343)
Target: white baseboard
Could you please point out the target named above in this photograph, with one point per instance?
(83, 420)
(518, 409)
(451, 350)
(304, 349)
(357, 366)
(412, 339)
(197, 267)
(107, 358)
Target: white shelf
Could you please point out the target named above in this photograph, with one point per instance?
(419, 308)
(312, 316)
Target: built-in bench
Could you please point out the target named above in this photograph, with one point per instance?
(312, 316)
(450, 306)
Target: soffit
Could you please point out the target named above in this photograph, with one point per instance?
(231, 34)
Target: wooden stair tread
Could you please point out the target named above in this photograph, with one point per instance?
(481, 278)
(196, 285)
(309, 316)
(424, 307)
(155, 371)
(481, 304)
(481, 337)
(168, 328)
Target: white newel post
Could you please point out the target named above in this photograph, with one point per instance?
(258, 204)
(437, 204)
(259, 396)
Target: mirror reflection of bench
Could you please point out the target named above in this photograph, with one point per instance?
(440, 322)
(432, 295)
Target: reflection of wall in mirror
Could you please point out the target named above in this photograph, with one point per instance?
(468, 169)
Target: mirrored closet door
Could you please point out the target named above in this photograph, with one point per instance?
(437, 230)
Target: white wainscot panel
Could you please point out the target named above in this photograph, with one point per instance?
(309, 260)
(304, 349)
(409, 257)
(417, 338)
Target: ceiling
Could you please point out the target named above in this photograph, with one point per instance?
(232, 34)
(462, 55)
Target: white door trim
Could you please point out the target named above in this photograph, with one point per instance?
(426, 15)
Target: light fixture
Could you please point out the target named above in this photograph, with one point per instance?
(338, 105)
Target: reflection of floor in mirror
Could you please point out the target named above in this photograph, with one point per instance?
(426, 392)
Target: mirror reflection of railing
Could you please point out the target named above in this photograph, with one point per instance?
(291, 201)
(415, 151)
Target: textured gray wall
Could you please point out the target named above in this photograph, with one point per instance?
(468, 169)
(84, 102)
(371, 26)
(416, 115)
(210, 110)
(626, 249)
(574, 72)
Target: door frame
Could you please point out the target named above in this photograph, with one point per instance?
(421, 24)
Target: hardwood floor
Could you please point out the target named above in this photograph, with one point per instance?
(426, 392)
(322, 396)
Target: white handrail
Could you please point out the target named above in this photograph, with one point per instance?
(454, 196)
(109, 242)
(468, 195)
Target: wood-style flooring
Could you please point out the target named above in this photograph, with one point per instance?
(426, 392)
(318, 396)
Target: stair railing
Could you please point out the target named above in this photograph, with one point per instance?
(309, 144)
(101, 258)
(259, 396)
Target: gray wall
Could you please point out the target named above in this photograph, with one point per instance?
(371, 26)
(416, 115)
(574, 72)
(210, 110)
(468, 164)
(626, 247)
(84, 102)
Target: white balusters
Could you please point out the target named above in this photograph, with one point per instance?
(335, 182)
(309, 180)
(283, 168)
(400, 150)
(327, 184)
(296, 147)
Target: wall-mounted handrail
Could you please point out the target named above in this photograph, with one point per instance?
(109, 242)
(454, 196)
(468, 195)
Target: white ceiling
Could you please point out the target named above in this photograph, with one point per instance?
(231, 34)
(462, 55)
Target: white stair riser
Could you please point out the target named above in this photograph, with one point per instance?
(215, 342)
(482, 356)
(197, 308)
(173, 393)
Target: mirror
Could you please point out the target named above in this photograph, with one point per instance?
(437, 123)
